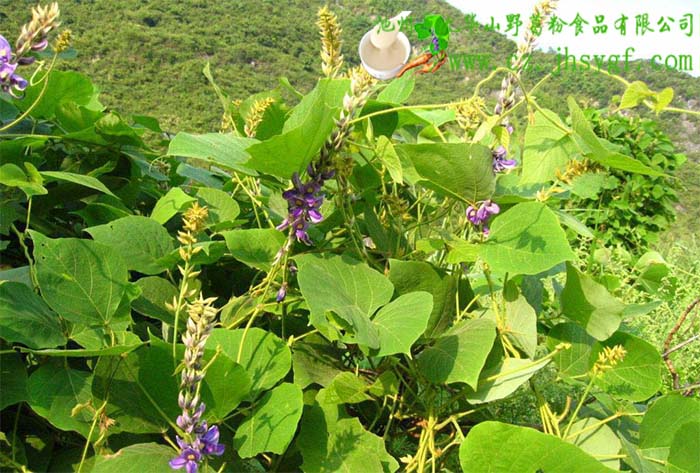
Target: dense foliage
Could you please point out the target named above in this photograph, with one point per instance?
(333, 282)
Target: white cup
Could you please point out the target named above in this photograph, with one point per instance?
(384, 66)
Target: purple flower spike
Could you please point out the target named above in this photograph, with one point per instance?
(304, 201)
(189, 459)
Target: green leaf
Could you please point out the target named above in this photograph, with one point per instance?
(315, 360)
(589, 185)
(63, 87)
(683, 456)
(223, 210)
(346, 388)
(170, 204)
(25, 318)
(526, 239)
(272, 423)
(598, 152)
(458, 170)
(494, 446)
(398, 90)
(521, 323)
(141, 241)
(155, 293)
(265, 356)
(137, 458)
(304, 133)
(80, 179)
(635, 94)
(548, 148)
(572, 363)
(598, 440)
(500, 381)
(13, 379)
(668, 424)
(409, 276)
(590, 305)
(331, 441)
(131, 343)
(82, 280)
(256, 247)
(220, 149)
(638, 376)
(388, 157)
(12, 175)
(347, 288)
(459, 354)
(55, 390)
(401, 322)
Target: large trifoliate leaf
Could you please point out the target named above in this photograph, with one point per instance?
(548, 147)
(526, 239)
(458, 170)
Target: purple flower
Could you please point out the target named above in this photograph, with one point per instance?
(500, 163)
(436, 44)
(210, 442)
(282, 293)
(188, 458)
(480, 214)
(8, 78)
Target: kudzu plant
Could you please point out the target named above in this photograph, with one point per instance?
(334, 281)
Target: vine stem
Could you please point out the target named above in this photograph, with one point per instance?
(97, 414)
(574, 415)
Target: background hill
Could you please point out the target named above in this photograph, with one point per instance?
(147, 56)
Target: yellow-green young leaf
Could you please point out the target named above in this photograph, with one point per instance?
(82, 280)
(223, 210)
(80, 179)
(346, 388)
(256, 247)
(526, 239)
(589, 304)
(548, 148)
(635, 94)
(141, 241)
(495, 447)
(12, 175)
(459, 354)
(638, 376)
(272, 423)
(25, 318)
(662, 99)
(387, 155)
